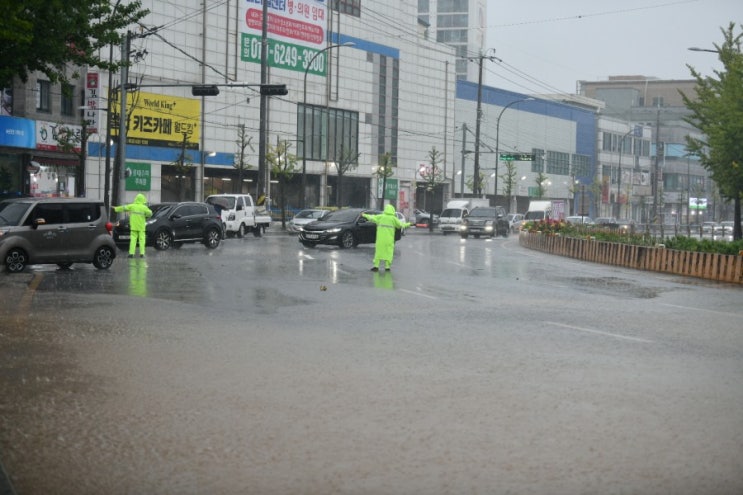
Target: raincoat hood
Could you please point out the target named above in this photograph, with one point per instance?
(140, 199)
(389, 210)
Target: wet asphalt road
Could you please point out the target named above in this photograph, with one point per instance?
(473, 367)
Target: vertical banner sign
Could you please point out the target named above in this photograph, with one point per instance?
(92, 90)
(138, 176)
(296, 32)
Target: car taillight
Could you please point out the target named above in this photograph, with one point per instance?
(109, 227)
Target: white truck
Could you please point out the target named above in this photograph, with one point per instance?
(450, 220)
(545, 210)
(240, 214)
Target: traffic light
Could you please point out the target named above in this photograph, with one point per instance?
(274, 89)
(205, 90)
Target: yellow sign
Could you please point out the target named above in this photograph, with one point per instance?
(159, 120)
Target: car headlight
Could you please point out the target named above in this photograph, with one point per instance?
(334, 231)
(150, 221)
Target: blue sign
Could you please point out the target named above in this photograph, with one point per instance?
(17, 132)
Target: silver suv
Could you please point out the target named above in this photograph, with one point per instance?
(55, 230)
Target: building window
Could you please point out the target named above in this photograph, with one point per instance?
(43, 96)
(581, 165)
(658, 101)
(558, 163)
(68, 100)
(329, 132)
(351, 7)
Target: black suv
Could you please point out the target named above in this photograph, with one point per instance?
(173, 224)
(485, 220)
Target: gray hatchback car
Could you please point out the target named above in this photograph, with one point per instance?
(55, 230)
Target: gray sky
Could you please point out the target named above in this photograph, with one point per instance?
(548, 45)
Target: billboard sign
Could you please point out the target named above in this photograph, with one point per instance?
(296, 33)
(160, 120)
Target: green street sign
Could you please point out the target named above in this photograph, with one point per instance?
(517, 157)
(391, 187)
(138, 176)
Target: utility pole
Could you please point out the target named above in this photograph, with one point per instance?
(120, 165)
(656, 167)
(477, 187)
(263, 124)
(464, 154)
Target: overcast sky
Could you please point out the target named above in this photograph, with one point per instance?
(548, 45)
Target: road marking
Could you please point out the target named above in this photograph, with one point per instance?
(416, 293)
(599, 332)
(734, 315)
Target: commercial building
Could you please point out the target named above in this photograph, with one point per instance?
(683, 191)
(460, 24)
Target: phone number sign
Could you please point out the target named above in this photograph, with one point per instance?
(295, 31)
(284, 55)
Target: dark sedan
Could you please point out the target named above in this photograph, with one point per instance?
(345, 228)
(173, 224)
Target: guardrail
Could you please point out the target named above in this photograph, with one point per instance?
(710, 266)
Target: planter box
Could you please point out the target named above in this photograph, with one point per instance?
(710, 266)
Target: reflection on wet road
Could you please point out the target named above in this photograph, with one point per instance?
(264, 367)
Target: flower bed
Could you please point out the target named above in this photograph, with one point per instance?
(706, 265)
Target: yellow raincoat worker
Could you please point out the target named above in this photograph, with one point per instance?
(387, 223)
(138, 215)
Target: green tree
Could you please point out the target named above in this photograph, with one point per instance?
(184, 167)
(244, 142)
(541, 187)
(283, 165)
(718, 113)
(433, 176)
(509, 181)
(384, 170)
(46, 36)
(345, 161)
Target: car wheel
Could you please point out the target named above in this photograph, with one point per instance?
(257, 231)
(241, 231)
(65, 265)
(103, 258)
(15, 260)
(163, 240)
(308, 244)
(212, 239)
(347, 240)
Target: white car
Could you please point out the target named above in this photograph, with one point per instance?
(579, 220)
(304, 217)
(514, 221)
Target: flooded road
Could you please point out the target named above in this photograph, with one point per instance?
(473, 367)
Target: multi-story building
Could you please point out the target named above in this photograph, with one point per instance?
(684, 193)
(460, 24)
(41, 148)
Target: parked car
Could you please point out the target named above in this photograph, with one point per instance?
(625, 225)
(485, 221)
(401, 217)
(173, 224)
(580, 220)
(55, 230)
(708, 229)
(514, 221)
(345, 228)
(605, 221)
(304, 217)
(422, 218)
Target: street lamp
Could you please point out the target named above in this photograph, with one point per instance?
(497, 140)
(304, 118)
